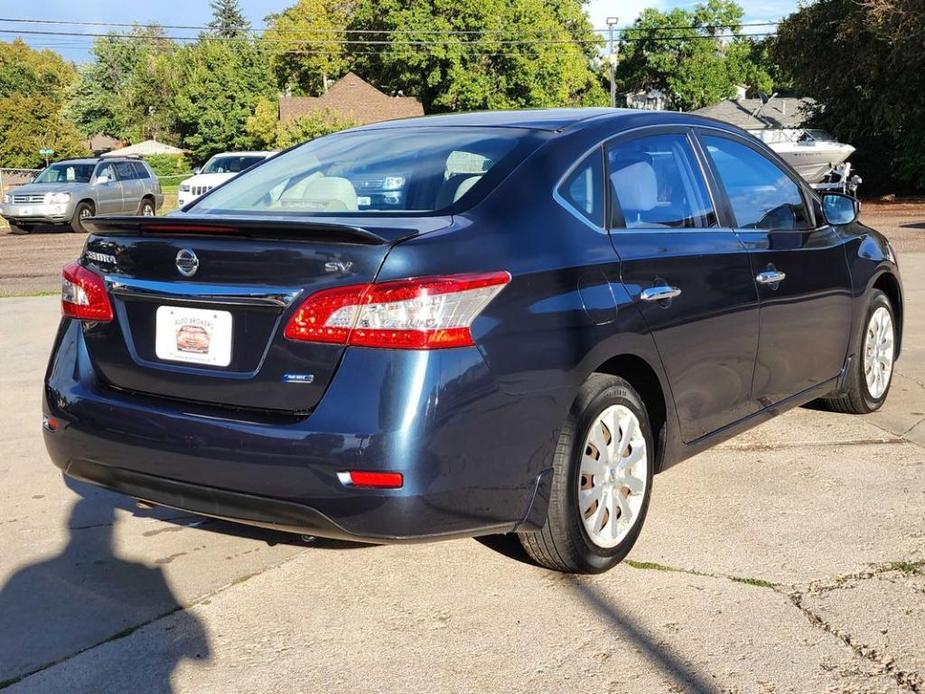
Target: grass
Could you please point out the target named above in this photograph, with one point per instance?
(655, 566)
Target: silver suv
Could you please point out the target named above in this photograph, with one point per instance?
(68, 192)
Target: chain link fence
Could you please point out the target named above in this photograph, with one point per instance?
(13, 178)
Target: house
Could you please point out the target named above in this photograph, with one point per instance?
(147, 148)
(100, 144)
(353, 98)
(778, 112)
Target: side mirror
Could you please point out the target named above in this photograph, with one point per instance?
(840, 209)
(100, 180)
(197, 171)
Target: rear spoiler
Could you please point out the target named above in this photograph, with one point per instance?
(314, 229)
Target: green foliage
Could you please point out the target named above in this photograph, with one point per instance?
(309, 127)
(305, 44)
(33, 122)
(168, 164)
(27, 72)
(228, 20)
(690, 55)
(490, 67)
(863, 62)
(128, 90)
(32, 84)
(221, 84)
(262, 126)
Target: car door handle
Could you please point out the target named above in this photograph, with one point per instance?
(659, 293)
(770, 277)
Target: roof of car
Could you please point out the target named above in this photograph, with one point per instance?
(552, 119)
(244, 154)
(94, 160)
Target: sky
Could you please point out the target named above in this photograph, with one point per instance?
(197, 13)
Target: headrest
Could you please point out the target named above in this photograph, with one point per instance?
(330, 194)
(454, 188)
(636, 187)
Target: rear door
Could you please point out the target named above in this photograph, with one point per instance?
(132, 188)
(108, 194)
(800, 269)
(690, 276)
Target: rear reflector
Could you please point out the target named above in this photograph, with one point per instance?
(83, 295)
(417, 313)
(371, 480)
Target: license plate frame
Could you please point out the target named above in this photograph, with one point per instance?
(200, 336)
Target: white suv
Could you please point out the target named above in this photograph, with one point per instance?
(217, 170)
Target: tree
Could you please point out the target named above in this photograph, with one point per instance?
(479, 55)
(228, 20)
(30, 122)
(32, 85)
(868, 81)
(309, 127)
(697, 57)
(220, 86)
(26, 71)
(126, 92)
(306, 44)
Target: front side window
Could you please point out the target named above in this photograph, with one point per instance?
(107, 171)
(761, 194)
(656, 184)
(583, 190)
(375, 171)
(65, 173)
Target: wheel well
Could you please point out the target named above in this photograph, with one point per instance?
(889, 285)
(644, 379)
(90, 202)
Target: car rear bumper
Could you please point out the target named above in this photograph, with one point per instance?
(461, 475)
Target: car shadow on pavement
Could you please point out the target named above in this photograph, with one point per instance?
(684, 677)
(86, 596)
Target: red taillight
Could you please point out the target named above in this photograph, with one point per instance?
(372, 480)
(417, 313)
(83, 295)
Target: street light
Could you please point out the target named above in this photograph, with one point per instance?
(611, 23)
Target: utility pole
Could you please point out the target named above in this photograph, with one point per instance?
(611, 23)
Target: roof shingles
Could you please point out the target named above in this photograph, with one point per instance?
(353, 98)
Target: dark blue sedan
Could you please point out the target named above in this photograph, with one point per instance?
(466, 324)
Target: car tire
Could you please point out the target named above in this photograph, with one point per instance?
(146, 209)
(20, 228)
(570, 540)
(871, 372)
(83, 211)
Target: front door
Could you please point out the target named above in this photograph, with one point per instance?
(799, 266)
(108, 193)
(690, 277)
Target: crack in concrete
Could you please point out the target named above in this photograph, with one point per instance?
(813, 444)
(910, 681)
(128, 631)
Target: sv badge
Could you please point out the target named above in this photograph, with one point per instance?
(337, 266)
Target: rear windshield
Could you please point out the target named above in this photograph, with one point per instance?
(66, 173)
(374, 171)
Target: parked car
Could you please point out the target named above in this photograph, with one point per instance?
(216, 171)
(590, 297)
(72, 191)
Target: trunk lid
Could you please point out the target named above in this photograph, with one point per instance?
(201, 303)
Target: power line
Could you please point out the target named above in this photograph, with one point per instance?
(370, 42)
(669, 27)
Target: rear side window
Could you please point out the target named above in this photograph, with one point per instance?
(401, 170)
(761, 194)
(583, 190)
(140, 170)
(124, 170)
(656, 183)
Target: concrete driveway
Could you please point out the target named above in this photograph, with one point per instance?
(791, 558)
